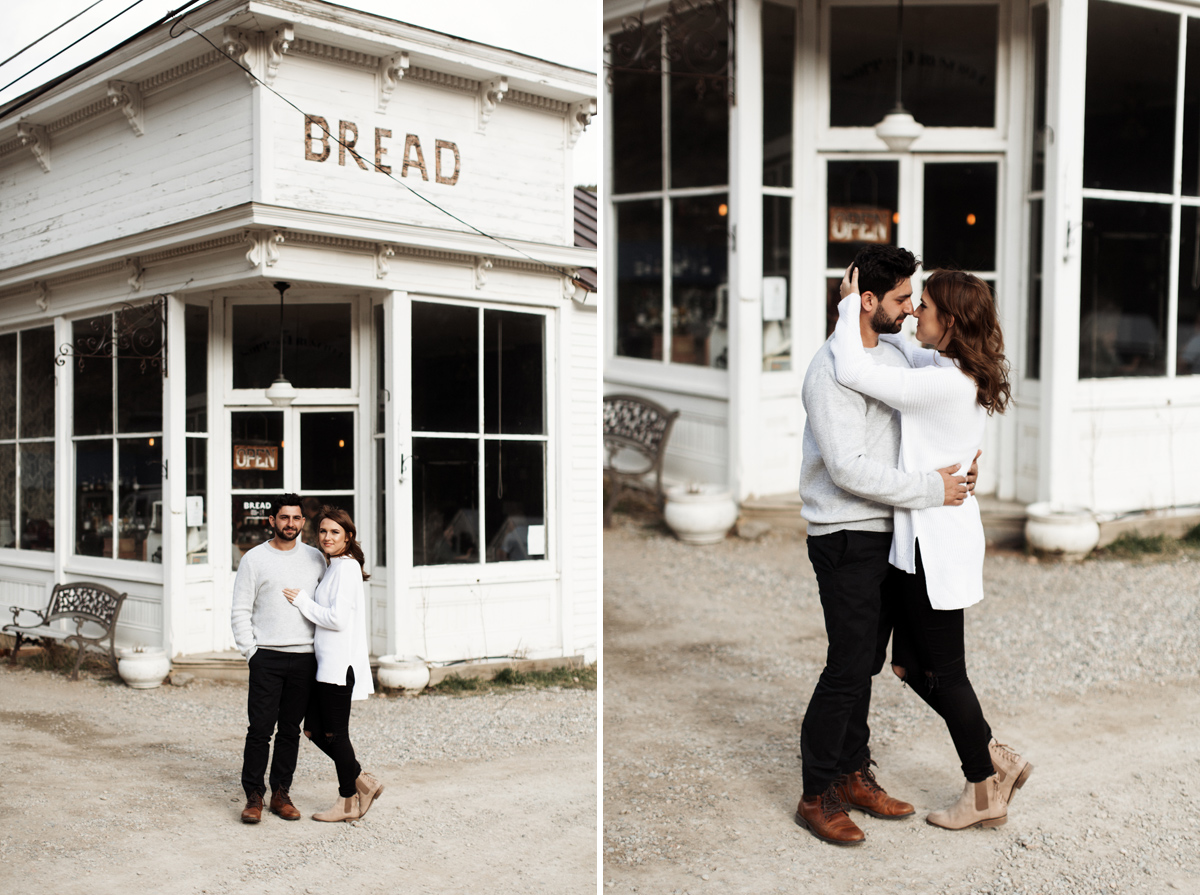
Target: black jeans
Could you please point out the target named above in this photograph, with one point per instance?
(851, 567)
(328, 723)
(280, 684)
(929, 644)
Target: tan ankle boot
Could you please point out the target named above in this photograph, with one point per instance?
(369, 789)
(1010, 767)
(980, 805)
(343, 809)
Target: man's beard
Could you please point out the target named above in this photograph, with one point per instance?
(286, 536)
(881, 323)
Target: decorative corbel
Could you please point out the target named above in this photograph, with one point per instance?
(126, 96)
(391, 70)
(263, 246)
(482, 265)
(42, 293)
(237, 45)
(568, 285)
(37, 139)
(134, 272)
(580, 116)
(490, 94)
(383, 252)
(278, 42)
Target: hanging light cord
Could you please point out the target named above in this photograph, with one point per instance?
(899, 53)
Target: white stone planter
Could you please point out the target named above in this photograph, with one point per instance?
(409, 674)
(700, 514)
(1066, 531)
(143, 669)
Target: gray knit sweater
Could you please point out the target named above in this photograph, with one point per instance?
(848, 477)
(262, 615)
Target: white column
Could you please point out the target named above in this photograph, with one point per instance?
(402, 635)
(745, 274)
(64, 453)
(174, 452)
(1061, 248)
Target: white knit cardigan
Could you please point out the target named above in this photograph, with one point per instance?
(941, 424)
(339, 611)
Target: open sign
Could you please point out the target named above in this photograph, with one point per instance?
(872, 225)
(249, 456)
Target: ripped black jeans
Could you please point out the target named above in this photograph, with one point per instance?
(327, 721)
(928, 643)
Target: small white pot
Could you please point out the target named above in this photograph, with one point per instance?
(700, 514)
(143, 669)
(407, 673)
(1066, 531)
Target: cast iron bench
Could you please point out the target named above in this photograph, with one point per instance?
(85, 604)
(639, 426)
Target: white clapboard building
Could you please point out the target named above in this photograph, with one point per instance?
(1058, 158)
(288, 246)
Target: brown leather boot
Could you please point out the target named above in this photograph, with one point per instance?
(281, 804)
(980, 805)
(343, 809)
(825, 818)
(369, 789)
(1011, 769)
(252, 813)
(860, 790)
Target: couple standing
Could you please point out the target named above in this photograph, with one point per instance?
(299, 618)
(894, 536)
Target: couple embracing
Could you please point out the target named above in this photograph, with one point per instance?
(299, 618)
(894, 534)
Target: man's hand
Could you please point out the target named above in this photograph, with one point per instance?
(973, 472)
(956, 486)
(849, 281)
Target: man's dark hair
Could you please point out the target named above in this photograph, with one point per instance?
(882, 267)
(285, 500)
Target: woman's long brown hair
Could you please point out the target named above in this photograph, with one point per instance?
(342, 518)
(976, 341)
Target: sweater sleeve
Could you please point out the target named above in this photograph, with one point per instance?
(347, 591)
(916, 355)
(243, 608)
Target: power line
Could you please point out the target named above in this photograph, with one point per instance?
(48, 33)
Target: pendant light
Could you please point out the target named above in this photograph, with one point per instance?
(281, 393)
(898, 128)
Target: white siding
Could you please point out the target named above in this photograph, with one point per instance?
(580, 365)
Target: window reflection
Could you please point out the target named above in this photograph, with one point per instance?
(640, 279)
(445, 501)
(699, 290)
(779, 77)
(637, 130)
(863, 199)
(960, 215)
(700, 113)
(1188, 343)
(515, 489)
(777, 269)
(445, 368)
(316, 345)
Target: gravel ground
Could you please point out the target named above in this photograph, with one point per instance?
(109, 789)
(1090, 670)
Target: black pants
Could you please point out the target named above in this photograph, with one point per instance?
(929, 644)
(851, 567)
(328, 723)
(280, 684)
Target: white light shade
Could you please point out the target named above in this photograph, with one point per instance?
(281, 393)
(898, 129)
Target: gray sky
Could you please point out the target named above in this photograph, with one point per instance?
(563, 31)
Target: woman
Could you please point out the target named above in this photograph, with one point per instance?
(343, 665)
(944, 401)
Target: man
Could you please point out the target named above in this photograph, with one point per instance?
(277, 642)
(849, 484)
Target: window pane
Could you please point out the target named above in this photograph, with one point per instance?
(777, 265)
(700, 110)
(8, 386)
(639, 279)
(140, 391)
(515, 502)
(139, 532)
(37, 383)
(445, 368)
(380, 370)
(94, 498)
(1129, 106)
(699, 294)
(862, 198)
(637, 113)
(779, 74)
(381, 503)
(8, 495)
(250, 525)
(252, 468)
(316, 345)
(197, 489)
(514, 384)
(1123, 289)
(949, 71)
(1033, 316)
(327, 451)
(1188, 351)
(960, 216)
(37, 496)
(445, 501)
(1039, 17)
(196, 366)
(1191, 111)
(93, 376)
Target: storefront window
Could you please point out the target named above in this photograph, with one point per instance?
(380, 436)
(779, 78)
(637, 129)
(699, 274)
(640, 279)
(699, 113)
(1033, 323)
(196, 387)
(949, 66)
(118, 441)
(959, 226)
(862, 200)
(27, 440)
(777, 270)
(1039, 33)
(1188, 352)
(509, 435)
(316, 345)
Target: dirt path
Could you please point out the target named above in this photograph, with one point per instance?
(711, 655)
(108, 790)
